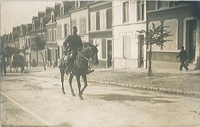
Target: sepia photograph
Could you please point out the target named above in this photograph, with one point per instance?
(100, 63)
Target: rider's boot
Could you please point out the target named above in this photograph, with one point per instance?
(89, 70)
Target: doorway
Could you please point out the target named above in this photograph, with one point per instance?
(109, 53)
(191, 39)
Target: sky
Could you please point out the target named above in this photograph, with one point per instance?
(17, 12)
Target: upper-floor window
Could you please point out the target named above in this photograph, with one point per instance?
(125, 11)
(103, 20)
(93, 21)
(41, 24)
(162, 4)
(43, 36)
(73, 22)
(77, 4)
(140, 10)
(54, 35)
(50, 35)
(59, 32)
(66, 28)
(61, 10)
(82, 25)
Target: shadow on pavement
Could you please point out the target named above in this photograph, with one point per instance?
(120, 97)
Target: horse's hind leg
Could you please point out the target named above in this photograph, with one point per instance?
(79, 87)
(70, 84)
(85, 83)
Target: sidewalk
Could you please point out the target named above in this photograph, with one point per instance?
(164, 80)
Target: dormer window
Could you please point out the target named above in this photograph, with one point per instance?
(41, 24)
(33, 26)
(52, 18)
(61, 10)
(77, 4)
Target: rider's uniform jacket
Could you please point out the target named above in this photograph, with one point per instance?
(72, 42)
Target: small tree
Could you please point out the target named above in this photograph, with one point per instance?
(155, 35)
(38, 46)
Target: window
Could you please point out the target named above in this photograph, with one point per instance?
(61, 10)
(73, 22)
(52, 18)
(157, 23)
(125, 12)
(162, 4)
(82, 25)
(54, 34)
(33, 26)
(103, 20)
(50, 35)
(41, 25)
(173, 28)
(126, 46)
(43, 36)
(66, 27)
(93, 21)
(59, 31)
(140, 10)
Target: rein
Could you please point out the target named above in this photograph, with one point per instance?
(83, 55)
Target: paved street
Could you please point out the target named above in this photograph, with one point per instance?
(35, 99)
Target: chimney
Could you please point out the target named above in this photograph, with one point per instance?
(18, 28)
(48, 9)
(57, 8)
(14, 29)
(41, 14)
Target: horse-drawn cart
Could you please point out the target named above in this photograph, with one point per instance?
(17, 61)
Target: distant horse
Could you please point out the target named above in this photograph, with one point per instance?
(80, 67)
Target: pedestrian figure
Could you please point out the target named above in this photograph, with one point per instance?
(183, 57)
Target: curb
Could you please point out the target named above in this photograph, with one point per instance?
(174, 91)
(150, 88)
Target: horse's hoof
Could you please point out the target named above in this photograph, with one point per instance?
(73, 94)
(63, 92)
(81, 97)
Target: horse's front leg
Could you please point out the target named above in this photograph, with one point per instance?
(79, 87)
(85, 82)
(62, 81)
(70, 84)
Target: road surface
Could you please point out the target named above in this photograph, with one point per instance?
(34, 101)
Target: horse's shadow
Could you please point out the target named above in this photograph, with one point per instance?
(122, 97)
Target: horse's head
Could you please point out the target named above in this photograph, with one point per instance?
(93, 53)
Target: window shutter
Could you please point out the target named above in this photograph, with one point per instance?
(97, 21)
(103, 48)
(109, 18)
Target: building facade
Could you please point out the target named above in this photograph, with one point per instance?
(183, 21)
(100, 30)
(128, 47)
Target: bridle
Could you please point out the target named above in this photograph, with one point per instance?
(82, 56)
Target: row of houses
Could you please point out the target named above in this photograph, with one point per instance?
(113, 25)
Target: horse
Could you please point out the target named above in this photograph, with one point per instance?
(80, 67)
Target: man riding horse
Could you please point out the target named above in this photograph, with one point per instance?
(72, 45)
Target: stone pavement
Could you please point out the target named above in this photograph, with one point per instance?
(163, 80)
